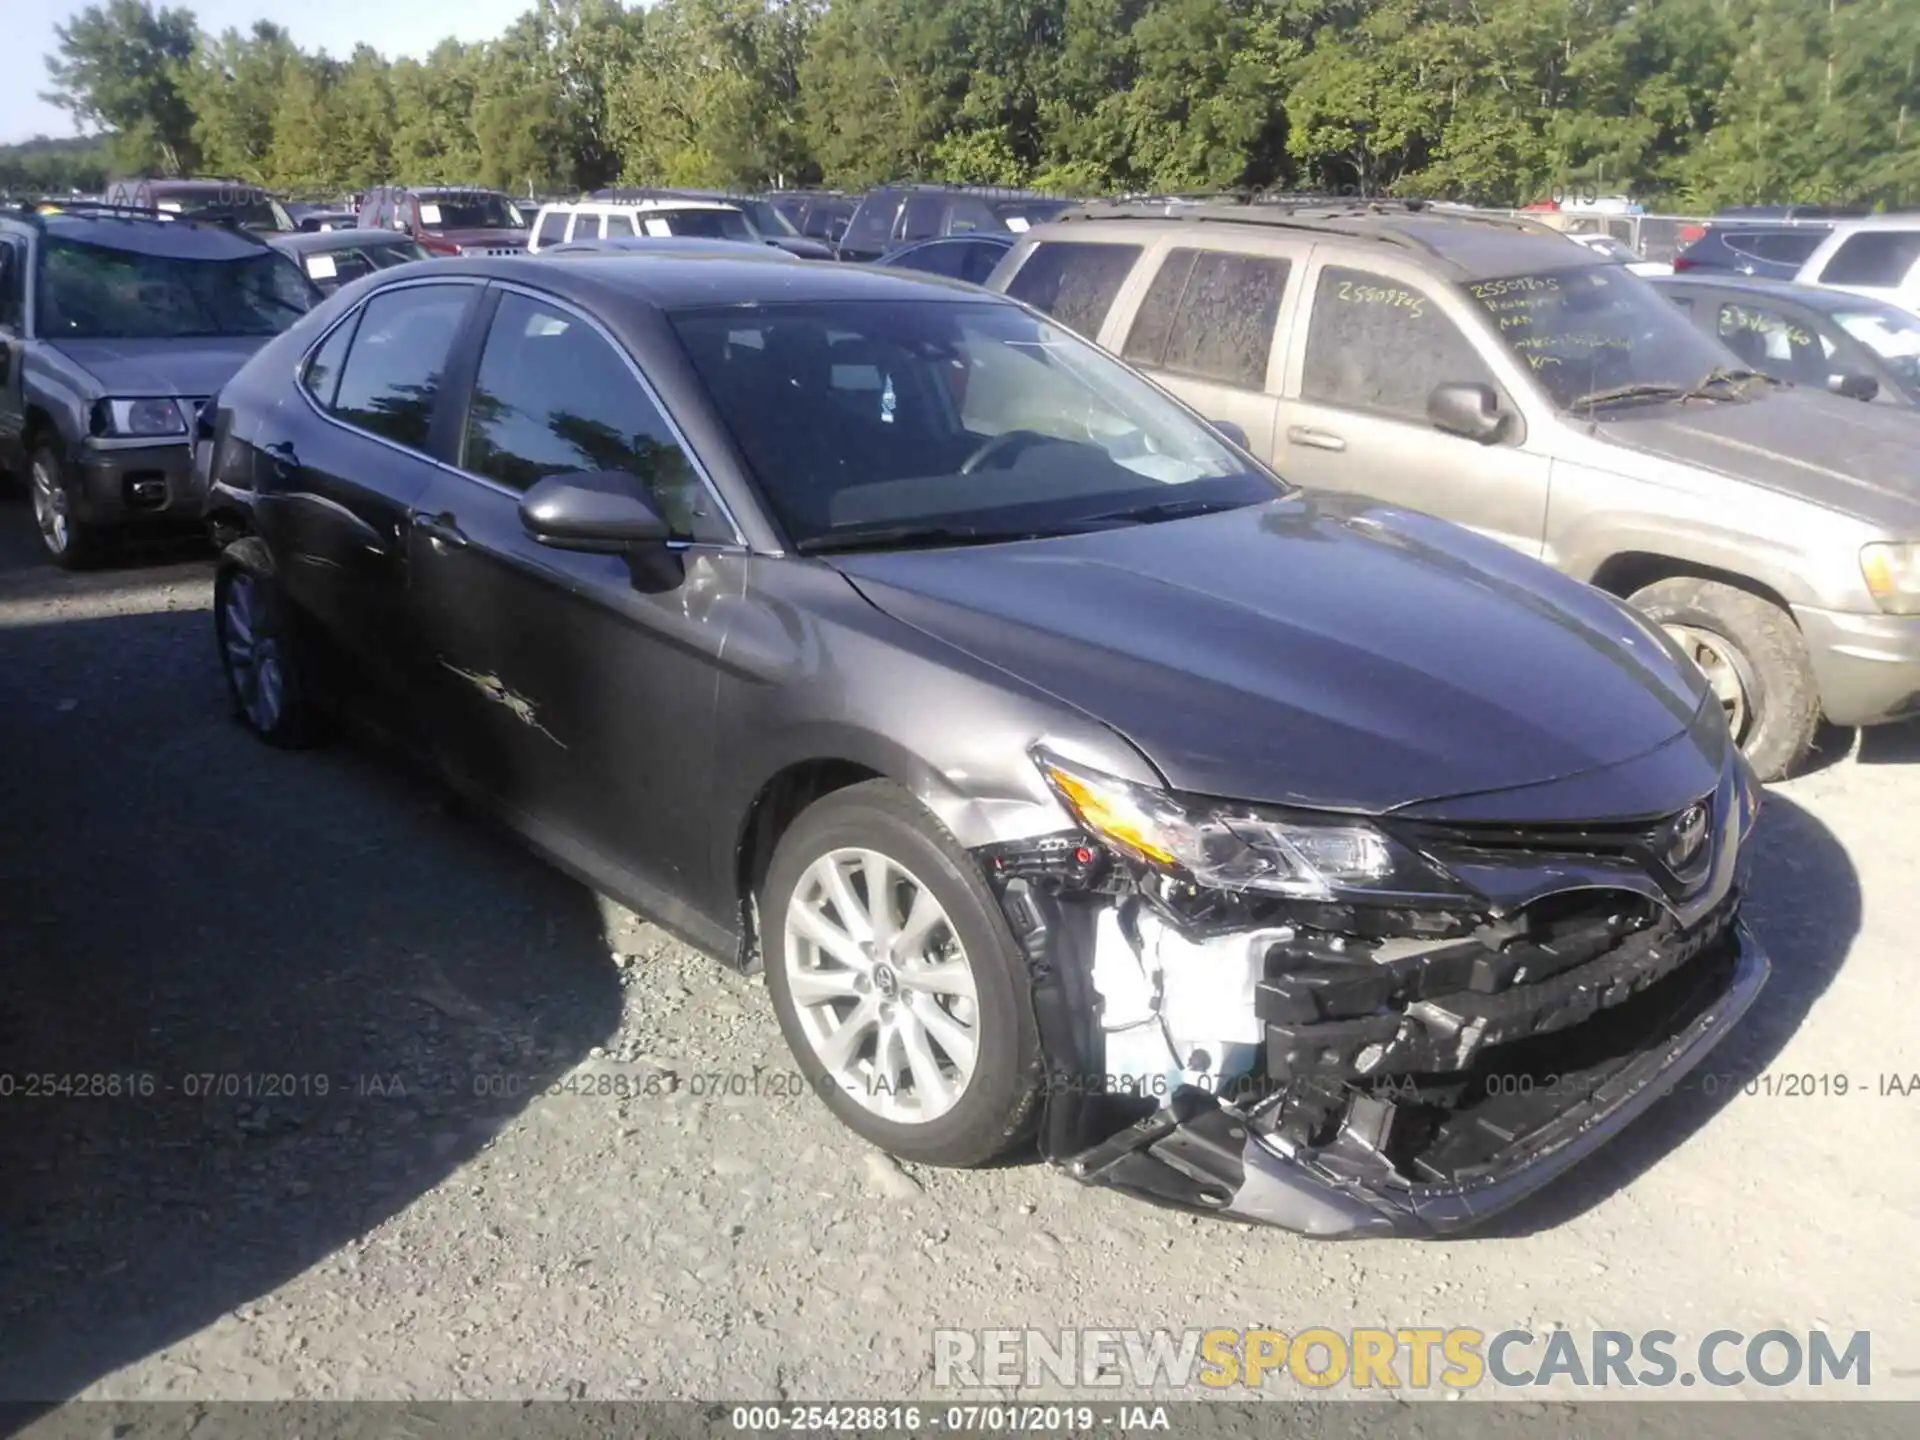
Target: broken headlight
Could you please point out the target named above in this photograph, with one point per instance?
(1241, 847)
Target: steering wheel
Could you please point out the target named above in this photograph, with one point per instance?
(1008, 443)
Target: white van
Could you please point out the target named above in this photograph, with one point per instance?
(1877, 257)
(611, 219)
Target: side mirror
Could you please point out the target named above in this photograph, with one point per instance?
(1471, 411)
(601, 512)
(1230, 432)
(1854, 387)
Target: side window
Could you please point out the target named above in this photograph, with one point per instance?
(553, 396)
(1074, 282)
(553, 229)
(977, 261)
(941, 259)
(1769, 340)
(322, 375)
(1210, 314)
(13, 283)
(391, 379)
(627, 224)
(1873, 257)
(1382, 345)
(1786, 247)
(919, 217)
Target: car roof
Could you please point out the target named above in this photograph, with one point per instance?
(1844, 228)
(1815, 297)
(650, 204)
(448, 190)
(1471, 246)
(151, 235)
(686, 281)
(668, 245)
(301, 242)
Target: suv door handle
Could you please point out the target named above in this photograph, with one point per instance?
(442, 529)
(281, 453)
(1314, 439)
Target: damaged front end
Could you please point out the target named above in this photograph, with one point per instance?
(1380, 1025)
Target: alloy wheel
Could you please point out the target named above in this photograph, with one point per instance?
(883, 988)
(252, 653)
(1727, 672)
(51, 507)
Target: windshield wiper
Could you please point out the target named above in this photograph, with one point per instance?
(905, 537)
(1638, 390)
(1163, 510)
(1738, 376)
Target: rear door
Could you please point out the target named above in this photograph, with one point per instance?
(1379, 336)
(345, 458)
(1205, 327)
(577, 690)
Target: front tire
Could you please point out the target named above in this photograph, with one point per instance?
(266, 677)
(897, 985)
(1756, 660)
(69, 542)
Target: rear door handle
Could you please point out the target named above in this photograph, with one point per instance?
(1314, 439)
(442, 529)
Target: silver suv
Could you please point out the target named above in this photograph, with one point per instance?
(1487, 371)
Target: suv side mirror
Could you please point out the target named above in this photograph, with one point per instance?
(1854, 387)
(1468, 410)
(601, 512)
(1230, 432)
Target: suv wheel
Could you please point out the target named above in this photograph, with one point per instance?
(1754, 657)
(258, 654)
(69, 541)
(897, 984)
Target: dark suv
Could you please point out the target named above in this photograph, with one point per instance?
(233, 202)
(448, 219)
(115, 327)
(891, 216)
(1769, 242)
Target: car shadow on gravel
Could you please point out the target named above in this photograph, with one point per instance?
(1803, 904)
(252, 1003)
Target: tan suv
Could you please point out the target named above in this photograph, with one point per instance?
(1491, 372)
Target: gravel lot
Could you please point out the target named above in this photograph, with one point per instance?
(180, 902)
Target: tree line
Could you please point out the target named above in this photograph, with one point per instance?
(1694, 103)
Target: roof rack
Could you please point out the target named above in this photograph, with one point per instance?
(96, 207)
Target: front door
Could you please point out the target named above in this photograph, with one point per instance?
(577, 690)
(1354, 416)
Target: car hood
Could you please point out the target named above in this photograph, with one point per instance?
(191, 367)
(1317, 650)
(1860, 459)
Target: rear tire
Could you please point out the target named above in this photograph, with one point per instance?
(261, 657)
(923, 1044)
(1757, 660)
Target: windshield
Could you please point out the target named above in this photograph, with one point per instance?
(93, 292)
(470, 210)
(1891, 334)
(877, 419)
(706, 224)
(261, 214)
(767, 219)
(1595, 328)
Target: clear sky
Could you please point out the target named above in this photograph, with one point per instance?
(393, 27)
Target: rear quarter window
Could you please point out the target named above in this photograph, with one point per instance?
(1873, 257)
(1075, 282)
(553, 228)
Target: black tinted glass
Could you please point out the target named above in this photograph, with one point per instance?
(323, 370)
(392, 376)
(553, 397)
(1074, 283)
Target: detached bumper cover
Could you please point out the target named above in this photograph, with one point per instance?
(1198, 1153)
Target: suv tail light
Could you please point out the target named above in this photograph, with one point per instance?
(435, 246)
(1681, 263)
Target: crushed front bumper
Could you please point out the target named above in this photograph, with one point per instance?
(1203, 1154)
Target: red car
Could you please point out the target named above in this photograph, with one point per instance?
(448, 219)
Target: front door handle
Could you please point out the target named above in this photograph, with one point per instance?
(1314, 439)
(442, 529)
(285, 462)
